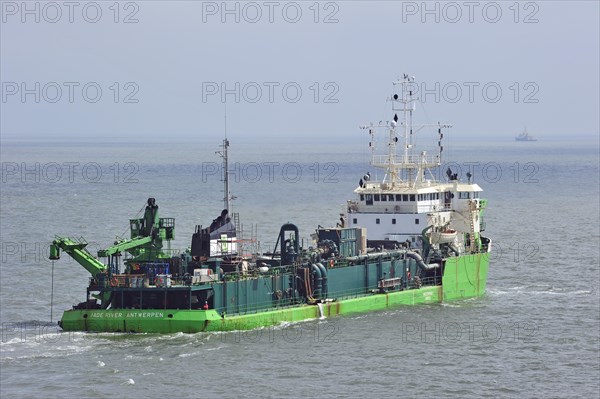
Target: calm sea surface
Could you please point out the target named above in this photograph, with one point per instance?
(536, 333)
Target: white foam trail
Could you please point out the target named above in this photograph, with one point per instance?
(321, 313)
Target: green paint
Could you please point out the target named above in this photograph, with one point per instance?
(464, 277)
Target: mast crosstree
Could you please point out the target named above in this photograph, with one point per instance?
(409, 169)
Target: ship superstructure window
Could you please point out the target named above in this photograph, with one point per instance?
(404, 197)
(376, 197)
(362, 197)
(369, 199)
(416, 221)
(393, 221)
(412, 197)
(383, 197)
(476, 194)
(355, 221)
(464, 195)
(377, 221)
(398, 197)
(390, 197)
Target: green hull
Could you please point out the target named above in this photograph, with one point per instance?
(464, 277)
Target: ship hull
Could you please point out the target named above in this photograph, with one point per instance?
(464, 277)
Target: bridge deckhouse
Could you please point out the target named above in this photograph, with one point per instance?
(409, 198)
(437, 198)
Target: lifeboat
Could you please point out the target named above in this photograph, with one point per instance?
(443, 237)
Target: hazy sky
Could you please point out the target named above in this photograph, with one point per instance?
(159, 69)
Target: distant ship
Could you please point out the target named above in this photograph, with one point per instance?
(525, 137)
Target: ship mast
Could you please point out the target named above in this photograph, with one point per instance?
(223, 154)
(407, 107)
(226, 193)
(410, 170)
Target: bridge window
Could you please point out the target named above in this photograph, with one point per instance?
(376, 197)
(476, 194)
(362, 197)
(398, 197)
(390, 197)
(369, 199)
(412, 197)
(383, 197)
(464, 195)
(404, 197)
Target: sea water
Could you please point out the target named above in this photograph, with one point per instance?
(534, 333)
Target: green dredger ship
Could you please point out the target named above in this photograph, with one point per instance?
(408, 239)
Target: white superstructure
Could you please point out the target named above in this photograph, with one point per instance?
(396, 210)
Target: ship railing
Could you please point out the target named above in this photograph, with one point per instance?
(391, 207)
(408, 162)
(425, 282)
(274, 303)
(432, 208)
(255, 307)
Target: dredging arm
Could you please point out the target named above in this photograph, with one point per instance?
(78, 252)
(147, 235)
(124, 245)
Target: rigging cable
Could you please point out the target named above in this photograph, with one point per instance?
(52, 291)
(136, 217)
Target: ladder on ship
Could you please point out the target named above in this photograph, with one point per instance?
(247, 242)
(472, 211)
(236, 223)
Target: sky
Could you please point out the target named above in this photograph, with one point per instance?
(172, 70)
